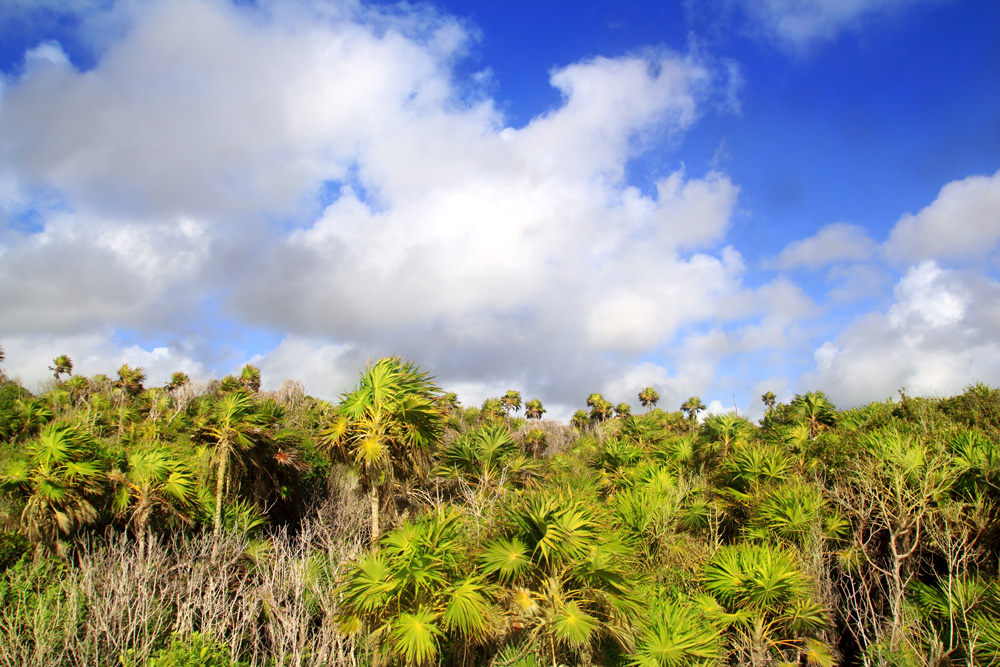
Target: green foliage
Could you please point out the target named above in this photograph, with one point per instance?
(649, 539)
(412, 591)
(54, 486)
(13, 546)
(649, 397)
(766, 596)
(193, 650)
(11, 395)
(533, 409)
(600, 408)
(678, 634)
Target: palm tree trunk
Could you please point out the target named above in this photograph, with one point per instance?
(220, 480)
(373, 499)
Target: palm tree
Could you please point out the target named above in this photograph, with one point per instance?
(723, 432)
(54, 484)
(177, 380)
(481, 456)
(234, 428)
(511, 401)
(250, 378)
(130, 380)
(600, 407)
(493, 409)
(768, 398)
(31, 414)
(415, 592)
(533, 409)
(692, 407)
(623, 410)
(565, 576)
(535, 441)
(580, 419)
(814, 410)
(767, 596)
(385, 427)
(649, 397)
(154, 481)
(62, 365)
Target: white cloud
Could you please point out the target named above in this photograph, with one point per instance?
(963, 223)
(941, 334)
(182, 181)
(838, 242)
(28, 358)
(798, 24)
(325, 369)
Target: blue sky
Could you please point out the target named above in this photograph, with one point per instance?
(714, 198)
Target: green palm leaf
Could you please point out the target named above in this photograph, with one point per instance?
(678, 636)
(468, 610)
(573, 626)
(505, 558)
(368, 584)
(415, 637)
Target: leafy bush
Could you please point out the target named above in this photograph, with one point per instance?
(13, 545)
(194, 650)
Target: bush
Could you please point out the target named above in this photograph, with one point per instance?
(193, 650)
(12, 547)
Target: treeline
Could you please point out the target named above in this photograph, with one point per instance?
(224, 525)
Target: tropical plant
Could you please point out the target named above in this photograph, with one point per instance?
(234, 428)
(963, 618)
(194, 650)
(600, 408)
(563, 578)
(177, 380)
(769, 399)
(692, 407)
(623, 410)
(484, 457)
(511, 401)
(580, 419)
(250, 378)
(153, 481)
(678, 634)
(385, 427)
(721, 433)
(892, 491)
(414, 592)
(649, 397)
(535, 441)
(54, 485)
(533, 409)
(31, 414)
(493, 409)
(130, 379)
(61, 365)
(814, 410)
(768, 603)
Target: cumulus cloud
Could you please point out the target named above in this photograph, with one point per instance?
(28, 358)
(838, 242)
(316, 170)
(798, 24)
(940, 334)
(963, 223)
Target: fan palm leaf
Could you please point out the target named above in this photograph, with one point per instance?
(415, 637)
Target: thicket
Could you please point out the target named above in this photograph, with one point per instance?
(224, 525)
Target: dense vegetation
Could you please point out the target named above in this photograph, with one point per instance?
(225, 525)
